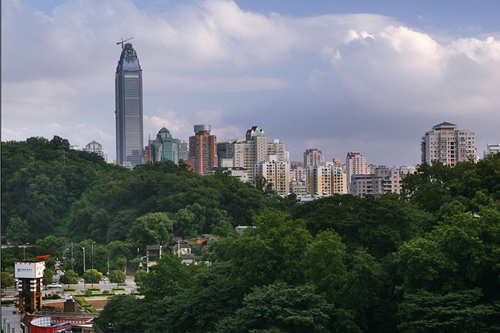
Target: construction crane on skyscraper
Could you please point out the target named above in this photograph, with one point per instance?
(123, 41)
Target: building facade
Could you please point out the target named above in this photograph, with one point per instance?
(383, 180)
(254, 149)
(97, 148)
(356, 165)
(446, 144)
(165, 148)
(276, 173)
(129, 112)
(203, 150)
(326, 179)
(491, 149)
(313, 157)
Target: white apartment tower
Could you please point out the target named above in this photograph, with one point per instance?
(255, 149)
(447, 144)
(356, 165)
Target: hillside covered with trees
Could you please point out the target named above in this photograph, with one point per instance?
(427, 260)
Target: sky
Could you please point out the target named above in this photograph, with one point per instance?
(338, 76)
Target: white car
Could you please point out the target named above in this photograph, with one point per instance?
(54, 285)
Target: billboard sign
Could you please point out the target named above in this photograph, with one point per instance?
(29, 270)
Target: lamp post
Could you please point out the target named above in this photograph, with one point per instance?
(83, 259)
(93, 255)
(24, 251)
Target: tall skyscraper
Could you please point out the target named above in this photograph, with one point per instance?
(448, 145)
(203, 149)
(128, 91)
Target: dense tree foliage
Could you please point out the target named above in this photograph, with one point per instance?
(69, 277)
(427, 260)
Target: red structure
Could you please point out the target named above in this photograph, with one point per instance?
(203, 150)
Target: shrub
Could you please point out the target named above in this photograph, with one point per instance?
(83, 302)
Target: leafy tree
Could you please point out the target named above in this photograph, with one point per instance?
(271, 251)
(48, 277)
(18, 230)
(168, 277)
(459, 311)
(379, 224)
(69, 277)
(117, 277)
(280, 308)
(213, 287)
(7, 280)
(325, 263)
(122, 313)
(92, 276)
(152, 228)
(51, 245)
(139, 275)
(459, 254)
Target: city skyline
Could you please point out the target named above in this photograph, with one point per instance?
(335, 77)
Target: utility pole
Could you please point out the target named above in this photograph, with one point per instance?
(93, 255)
(83, 259)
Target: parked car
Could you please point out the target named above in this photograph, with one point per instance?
(54, 285)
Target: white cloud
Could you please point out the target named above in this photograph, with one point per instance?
(212, 62)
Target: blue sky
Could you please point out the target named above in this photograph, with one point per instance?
(338, 76)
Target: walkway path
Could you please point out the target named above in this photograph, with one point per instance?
(10, 316)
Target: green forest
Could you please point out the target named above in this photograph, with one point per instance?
(425, 260)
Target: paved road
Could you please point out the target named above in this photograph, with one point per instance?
(129, 286)
(12, 317)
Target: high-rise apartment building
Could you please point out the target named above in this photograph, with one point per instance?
(383, 180)
(276, 173)
(165, 148)
(96, 147)
(356, 165)
(254, 150)
(313, 157)
(446, 144)
(326, 179)
(128, 92)
(203, 150)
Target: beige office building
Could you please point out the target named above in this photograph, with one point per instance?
(447, 144)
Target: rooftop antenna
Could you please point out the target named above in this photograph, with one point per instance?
(123, 41)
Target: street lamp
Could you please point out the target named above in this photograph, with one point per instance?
(93, 255)
(83, 259)
(24, 251)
